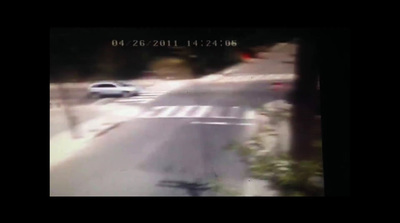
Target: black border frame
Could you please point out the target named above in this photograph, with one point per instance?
(335, 44)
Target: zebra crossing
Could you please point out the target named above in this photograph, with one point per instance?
(219, 78)
(198, 111)
(143, 98)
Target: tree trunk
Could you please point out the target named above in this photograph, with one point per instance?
(304, 100)
(69, 114)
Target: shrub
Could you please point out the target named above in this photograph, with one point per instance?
(294, 178)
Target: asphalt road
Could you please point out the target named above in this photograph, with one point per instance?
(175, 156)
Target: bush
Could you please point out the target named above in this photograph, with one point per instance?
(295, 177)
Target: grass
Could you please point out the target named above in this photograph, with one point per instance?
(222, 190)
(291, 177)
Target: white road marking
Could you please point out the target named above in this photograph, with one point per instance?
(265, 77)
(233, 111)
(256, 77)
(144, 97)
(150, 94)
(276, 77)
(268, 77)
(151, 112)
(202, 111)
(219, 123)
(216, 113)
(247, 77)
(245, 124)
(229, 79)
(148, 116)
(140, 97)
(233, 79)
(199, 111)
(134, 100)
(184, 111)
(167, 111)
(243, 78)
(249, 115)
(211, 123)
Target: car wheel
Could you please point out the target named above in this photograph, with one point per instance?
(125, 94)
(95, 95)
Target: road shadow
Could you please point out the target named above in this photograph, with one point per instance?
(194, 189)
(106, 96)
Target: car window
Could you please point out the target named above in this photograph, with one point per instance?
(103, 85)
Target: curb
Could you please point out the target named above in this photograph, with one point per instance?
(210, 77)
(107, 129)
(269, 78)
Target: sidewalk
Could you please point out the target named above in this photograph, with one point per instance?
(64, 146)
(82, 113)
(259, 188)
(218, 75)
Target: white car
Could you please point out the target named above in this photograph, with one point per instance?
(111, 88)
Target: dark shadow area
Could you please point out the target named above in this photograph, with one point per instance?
(304, 99)
(193, 189)
(89, 54)
(109, 96)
